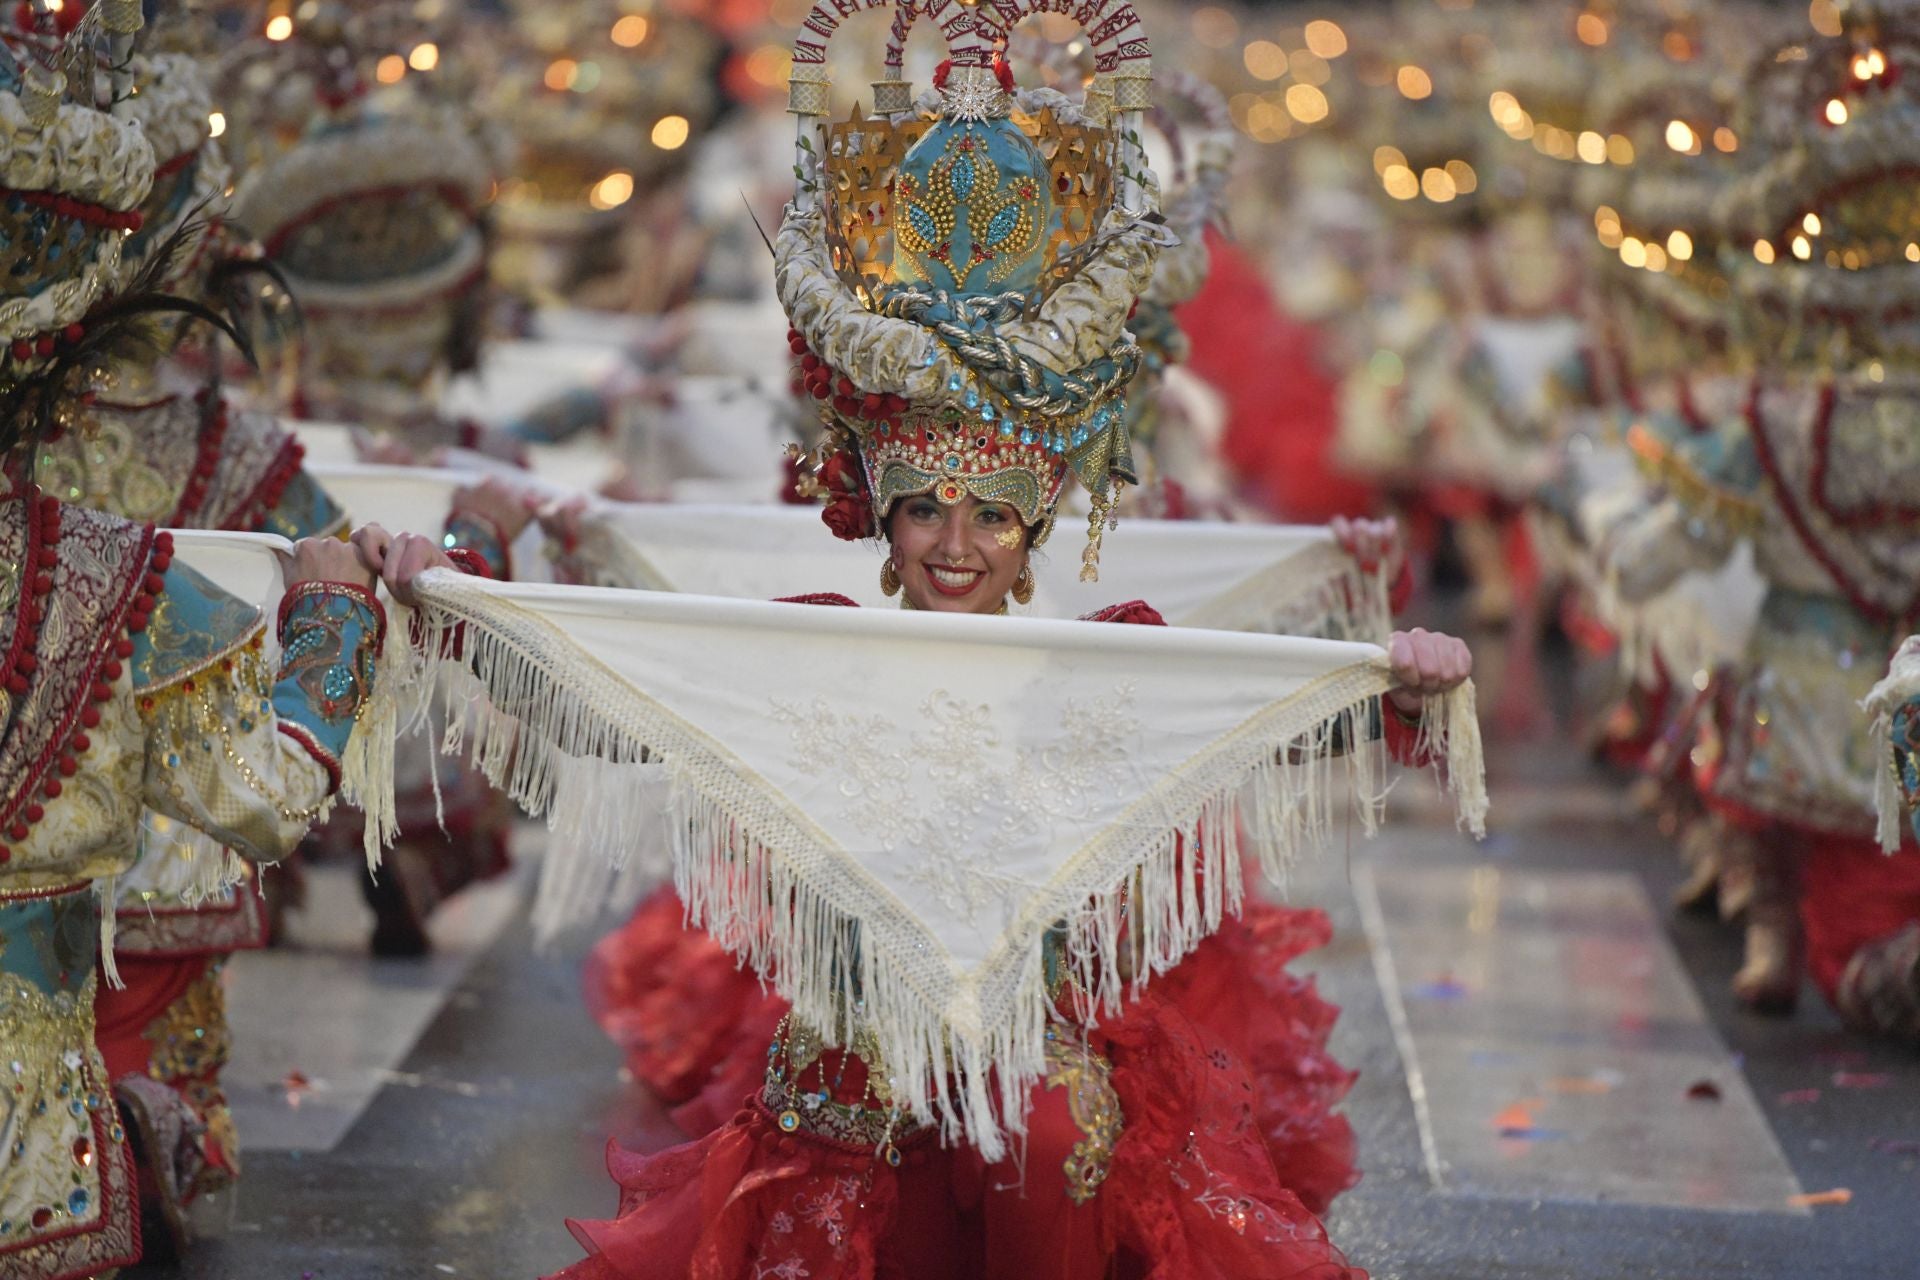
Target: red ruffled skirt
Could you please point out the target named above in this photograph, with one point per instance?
(1190, 1191)
(679, 1006)
(1230, 1145)
(696, 1027)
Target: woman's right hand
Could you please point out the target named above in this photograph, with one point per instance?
(326, 560)
(399, 558)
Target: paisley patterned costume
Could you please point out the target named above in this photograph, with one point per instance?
(183, 461)
(135, 687)
(1806, 474)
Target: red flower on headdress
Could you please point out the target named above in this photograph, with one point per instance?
(849, 512)
(841, 474)
(850, 517)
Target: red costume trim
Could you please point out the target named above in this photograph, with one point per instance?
(324, 757)
(1790, 506)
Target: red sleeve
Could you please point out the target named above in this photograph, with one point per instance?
(1402, 589)
(470, 562)
(1136, 612)
(821, 597)
(1403, 736)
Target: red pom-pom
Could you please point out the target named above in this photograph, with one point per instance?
(68, 766)
(42, 583)
(29, 663)
(102, 691)
(22, 349)
(821, 390)
(52, 789)
(154, 583)
(43, 345)
(81, 742)
(34, 813)
(16, 684)
(111, 668)
(123, 648)
(75, 332)
(163, 542)
(18, 832)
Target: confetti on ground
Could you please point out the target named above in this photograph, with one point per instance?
(1814, 1199)
(1517, 1121)
(1798, 1097)
(1439, 989)
(1897, 1146)
(1589, 1085)
(1704, 1091)
(1861, 1079)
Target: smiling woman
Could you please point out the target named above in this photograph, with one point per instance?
(963, 558)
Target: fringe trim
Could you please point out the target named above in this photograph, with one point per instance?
(1319, 592)
(564, 736)
(107, 889)
(1902, 684)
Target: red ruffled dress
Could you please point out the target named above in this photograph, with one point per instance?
(1227, 1145)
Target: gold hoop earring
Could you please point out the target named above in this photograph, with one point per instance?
(889, 579)
(1023, 585)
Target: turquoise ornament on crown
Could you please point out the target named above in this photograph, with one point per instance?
(974, 211)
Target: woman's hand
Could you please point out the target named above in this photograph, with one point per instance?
(325, 560)
(382, 449)
(1425, 663)
(399, 558)
(1373, 544)
(498, 503)
(561, 520)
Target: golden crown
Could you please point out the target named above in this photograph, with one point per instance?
(863, 154)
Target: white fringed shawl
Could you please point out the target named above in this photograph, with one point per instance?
(1284, 579)
(1287, 579)
(884, 813)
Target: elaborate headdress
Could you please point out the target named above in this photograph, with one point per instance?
(959, 271)
(1827, 228)
(74, 175)
(599, 108)
(367, 199)
(174, 109)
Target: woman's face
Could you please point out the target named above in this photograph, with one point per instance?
(958, 559)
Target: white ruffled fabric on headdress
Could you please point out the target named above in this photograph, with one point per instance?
(885, 813)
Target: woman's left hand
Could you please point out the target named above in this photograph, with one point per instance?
(1425, 663)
